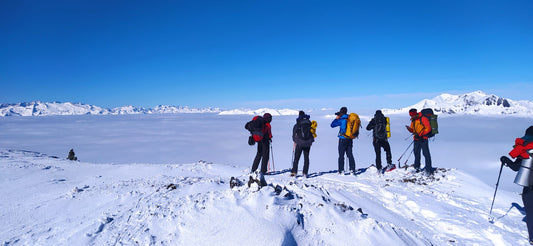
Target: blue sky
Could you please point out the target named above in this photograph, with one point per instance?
(295, 54)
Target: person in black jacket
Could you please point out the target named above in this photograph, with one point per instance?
(378, 124)
(522, 151)
(303, 139)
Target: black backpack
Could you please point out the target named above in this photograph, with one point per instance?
(255, 126)
(380, 128)
(303, 129)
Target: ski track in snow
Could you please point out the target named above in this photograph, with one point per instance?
(51, 201)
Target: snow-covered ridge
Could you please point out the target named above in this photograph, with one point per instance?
(200, 204)
(474, 103)
(68, 108)
(261, 111)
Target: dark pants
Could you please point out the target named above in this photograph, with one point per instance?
(263, 153)
(378, 144)
(527, 199)
(422, 145)
(297, 154)
(345, 146)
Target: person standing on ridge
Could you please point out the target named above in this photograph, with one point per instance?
(345, 144)
(420, 127)
(523, 151)
(303, 139)
(263, 147)
(379, 126)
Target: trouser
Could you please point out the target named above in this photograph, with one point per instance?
(297, 153)
(422, 145)
(378, 144)
(262, 155)
(345, 146)
(527, 199)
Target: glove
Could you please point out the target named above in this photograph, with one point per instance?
(502, 159)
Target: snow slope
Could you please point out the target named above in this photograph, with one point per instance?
(53, 201)
(474, 103)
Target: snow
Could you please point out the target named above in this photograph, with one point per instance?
(55, 201)
(164, 179)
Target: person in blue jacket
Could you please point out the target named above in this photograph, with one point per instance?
(345, 144)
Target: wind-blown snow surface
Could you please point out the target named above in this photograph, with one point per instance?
(54, 201)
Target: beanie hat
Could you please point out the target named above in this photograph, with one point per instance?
(529, 131)
(301, 113)
(412, 112)
(342, 111)
(267, 117)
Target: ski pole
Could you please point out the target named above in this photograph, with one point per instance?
(409, 156)
(292, 160)
(272, 152)
(494, 197)
(404, 153)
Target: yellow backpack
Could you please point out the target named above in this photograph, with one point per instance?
(352, 126)
(388, 127)
(313, 128)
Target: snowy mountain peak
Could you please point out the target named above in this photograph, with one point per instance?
(477, 102)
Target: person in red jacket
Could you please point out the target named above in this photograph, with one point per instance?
(420, 127)
(263, 146)
(520, 152)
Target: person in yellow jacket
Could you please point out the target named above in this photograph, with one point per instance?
(420, 127)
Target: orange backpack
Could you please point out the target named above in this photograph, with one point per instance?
(352, 126)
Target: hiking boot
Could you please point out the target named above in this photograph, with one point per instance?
(262, 180)
(293, 174)
(305, 175)
(390, 167)
(341, 172)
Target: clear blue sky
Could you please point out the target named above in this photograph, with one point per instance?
(298, 54)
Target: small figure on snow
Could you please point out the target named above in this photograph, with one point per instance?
(303, 138)
(523, 152)
(71, 156)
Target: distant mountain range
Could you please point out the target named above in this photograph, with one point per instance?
(475, 103)
(261, 111)
(57, 108)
